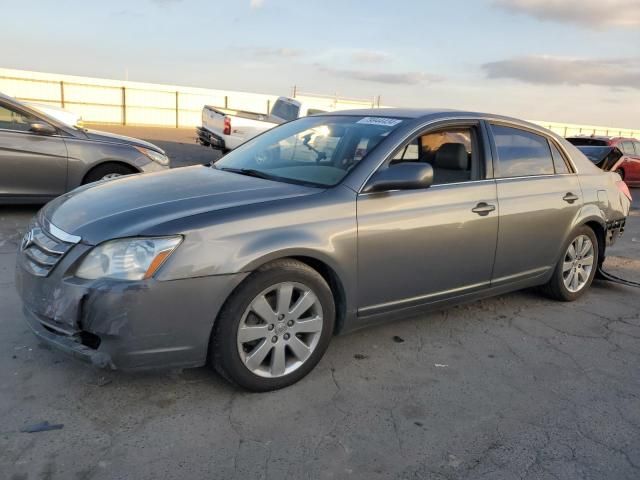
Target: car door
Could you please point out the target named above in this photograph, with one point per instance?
(420, 246)
(539, 197)
(31, 164)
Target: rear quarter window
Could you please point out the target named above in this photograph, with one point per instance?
(521, 153)
(559, 162)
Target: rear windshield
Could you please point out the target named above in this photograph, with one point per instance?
(286, 111)
(317, 151)
(596, 142)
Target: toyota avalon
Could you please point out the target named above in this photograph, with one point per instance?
(320, 226)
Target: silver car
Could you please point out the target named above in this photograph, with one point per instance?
(42, 157)
(317, 227)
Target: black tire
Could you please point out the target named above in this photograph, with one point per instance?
(556, 288)
(223, 349)
(99, 172)
(620, 172)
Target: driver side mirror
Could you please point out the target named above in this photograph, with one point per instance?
(402, 176)
(42, 128)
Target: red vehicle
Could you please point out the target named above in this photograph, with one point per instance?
(628, 150)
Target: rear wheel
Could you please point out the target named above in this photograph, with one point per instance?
(576, 268)
(107, 171)
(275, 328)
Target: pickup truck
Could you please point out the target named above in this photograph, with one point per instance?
(224, 129)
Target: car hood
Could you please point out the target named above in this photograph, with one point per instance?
(115, 138)
(129, 206)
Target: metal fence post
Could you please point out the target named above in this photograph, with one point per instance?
(124, 106)
(177, 111)
(61, 94)
(268, 107)
(226, 102)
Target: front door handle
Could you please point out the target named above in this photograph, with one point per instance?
(483, 209)
(570, 197)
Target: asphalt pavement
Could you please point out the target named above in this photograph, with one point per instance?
(514, 387)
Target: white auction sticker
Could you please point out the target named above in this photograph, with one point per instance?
(382, 121)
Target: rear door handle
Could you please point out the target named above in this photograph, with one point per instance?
(483, 209)
(570, 197)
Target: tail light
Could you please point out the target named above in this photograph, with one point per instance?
(624, 189)
(227, 126)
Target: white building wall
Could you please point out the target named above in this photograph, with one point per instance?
(100, 100)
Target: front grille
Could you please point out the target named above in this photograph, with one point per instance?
(42, 250)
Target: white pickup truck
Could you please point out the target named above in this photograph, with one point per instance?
(226, 129)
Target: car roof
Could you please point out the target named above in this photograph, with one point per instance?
(436, 114)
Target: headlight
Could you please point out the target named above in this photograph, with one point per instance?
(127, 259)
(153, 155)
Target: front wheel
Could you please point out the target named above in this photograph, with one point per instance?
(107, 171)
(576, 268)
(274, 328)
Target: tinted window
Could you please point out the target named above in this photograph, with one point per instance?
(12, 120)
(450, 152)
(559, 162)
(520, 153)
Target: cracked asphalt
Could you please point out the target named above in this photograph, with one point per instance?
(514, 387)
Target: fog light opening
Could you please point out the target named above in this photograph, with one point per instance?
(89, 340)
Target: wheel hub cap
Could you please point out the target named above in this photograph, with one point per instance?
(280, 329)
(578, 263)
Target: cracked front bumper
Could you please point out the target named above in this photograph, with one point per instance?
(123, 325)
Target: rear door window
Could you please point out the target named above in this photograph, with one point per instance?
(521, 153)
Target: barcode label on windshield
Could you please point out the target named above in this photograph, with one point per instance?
(382, 121)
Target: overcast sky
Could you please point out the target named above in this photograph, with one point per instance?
(558, 60)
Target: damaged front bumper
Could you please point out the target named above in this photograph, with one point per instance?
(122, 324)
(69, 344)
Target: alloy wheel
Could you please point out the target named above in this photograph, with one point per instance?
(109, 176)
(578, 263)
(280, 329)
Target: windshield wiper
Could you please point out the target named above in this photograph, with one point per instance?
(259, 174)
(249, 172)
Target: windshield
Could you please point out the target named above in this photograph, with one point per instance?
(318, 151)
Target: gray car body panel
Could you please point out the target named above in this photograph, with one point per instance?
(387, 254)
(38, 167)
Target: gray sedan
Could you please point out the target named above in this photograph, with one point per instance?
(317, 227)
(41, 158)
